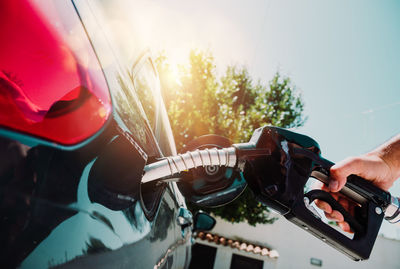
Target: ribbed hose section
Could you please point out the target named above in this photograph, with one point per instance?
(186, 161)
(392, 212)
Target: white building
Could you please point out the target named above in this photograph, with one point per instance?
(292, 248)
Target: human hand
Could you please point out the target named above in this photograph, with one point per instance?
(370, 167)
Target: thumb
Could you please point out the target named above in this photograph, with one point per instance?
(340, 171)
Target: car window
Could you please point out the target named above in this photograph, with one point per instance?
(129, 108)
(146, 87)
(103, 27)
(122, 30)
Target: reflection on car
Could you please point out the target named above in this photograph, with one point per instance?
(78, 122)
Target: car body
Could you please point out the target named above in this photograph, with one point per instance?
(78, 121)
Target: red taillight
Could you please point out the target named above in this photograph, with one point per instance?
(51, 84)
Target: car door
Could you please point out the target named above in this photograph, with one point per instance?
(147, 87)
(140, 112)
(84, 206)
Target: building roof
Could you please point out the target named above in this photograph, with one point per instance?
(236, 244)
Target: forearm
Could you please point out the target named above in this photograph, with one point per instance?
(390, 154)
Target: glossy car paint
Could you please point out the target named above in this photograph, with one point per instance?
(85, 207)
(49, 82)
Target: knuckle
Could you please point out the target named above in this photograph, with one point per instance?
(338, 216)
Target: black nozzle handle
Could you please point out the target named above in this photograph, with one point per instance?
(359, 247)
(325, 196)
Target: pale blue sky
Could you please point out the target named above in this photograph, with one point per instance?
(344, 56)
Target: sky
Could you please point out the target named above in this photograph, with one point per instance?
(343, 56)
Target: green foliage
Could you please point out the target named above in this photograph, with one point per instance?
(233, 105)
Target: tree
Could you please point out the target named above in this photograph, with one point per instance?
(200, 103)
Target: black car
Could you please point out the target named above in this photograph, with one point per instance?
(80, 116)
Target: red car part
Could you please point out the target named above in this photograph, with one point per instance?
(51, 84)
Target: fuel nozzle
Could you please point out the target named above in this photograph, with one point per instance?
(276, 164)
(174, 165)
(392, 212)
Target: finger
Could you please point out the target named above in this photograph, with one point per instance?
(318, 185)
(324, 206)
(335, 215)
(345, 226)
(325, 188)
(340, 171)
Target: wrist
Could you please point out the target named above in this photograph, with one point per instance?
(390, 152)
(392, 166)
